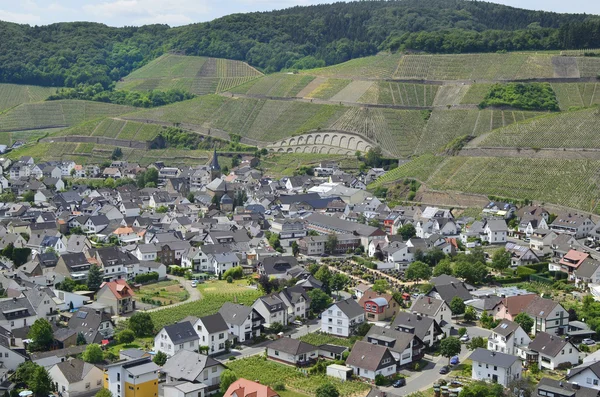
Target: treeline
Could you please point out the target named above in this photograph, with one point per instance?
(68, 54)
(145, 99)
(534, 96)
(172, 137)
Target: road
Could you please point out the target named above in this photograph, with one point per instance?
(424, 379)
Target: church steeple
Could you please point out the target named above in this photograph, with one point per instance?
(215, 168)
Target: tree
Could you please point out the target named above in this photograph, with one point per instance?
(471, 272)
(443, 267)
(117, 153)
(482, 389)
(338, 282)
(434, 256)
(327, 390)
(331, 243)
(470, 314)
(324, 276)
(265, 284)
(42, 335)
(319, 300)
(524, 321)
(501, 260)
(418, 271)
(407, 231)
(476, 342)
(40, 383)
(93, 354)
(381, 286)
(94, 278)
(141, 324)
(295, 248)
(81, 339)
(126, 336)
(227, 378)
(29, 196)
(363, 328)
(374, 157)
(487, 321)
(191, 198)
(457, 306)
(104, 393)
(160, 359)
(450, 347)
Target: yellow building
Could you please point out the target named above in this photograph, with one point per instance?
(132, 378)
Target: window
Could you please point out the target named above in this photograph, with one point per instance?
(5, 355)
(339, 313)
(495, 368)
(87, 385)
(339, 330)
(595, 381)
(221, 335)
(98, 382)
(276, 353)
(214, 369)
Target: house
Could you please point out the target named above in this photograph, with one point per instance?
(521, 255)
(341, 318)
(378, 306)
(510, 306)
(73, 265)
(132, 378)
(292, 351)
(425, 328)
(272, 309)
(587, 273)
(508, 337)
(297, 301)
(75, 377)
(495, 367)
(244, 322)
(573, 224)
(94, 324)
(13, 354)
(246, 388)
(133, 354)
(405, 346)
(499, 209)
(437, 309)
(175, 337)
(315, 245)
(193, 367)
(185, 389)
(548, 316)
(552, 352)
(213, 332)
(368, 360)
(528, 225)
(586, 374)
(277, 266)
(117, 295)
(288, 228)
(571, 261)
(495, 231)
(559, 388)
(16, 313)
(449, 291)
(324, 224)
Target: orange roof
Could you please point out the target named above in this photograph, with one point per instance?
(574, 258)
(516, 304)
(247, 388)
(123, 230)
(119, 288)
(78, 167)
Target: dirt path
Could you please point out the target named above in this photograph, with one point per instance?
(195, 294)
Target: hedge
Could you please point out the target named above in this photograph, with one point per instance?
(509, 280)
(146, 278)
(538, 267)
(525, 271)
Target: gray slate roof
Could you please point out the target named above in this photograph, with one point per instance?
(486, 356)
(181, 332)
(563, 388)
(234, 313)
(420, 324)
(292, 346)
(187, 365)
(74, 370)
(214, 323)
(506, 327)
(349, 307)
(548, 345)
(367, 355)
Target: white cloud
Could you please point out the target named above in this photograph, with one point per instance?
(18, 17)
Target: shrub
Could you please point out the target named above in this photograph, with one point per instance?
(279, 386)
(146, 278)
(229, 279)
(525, 271)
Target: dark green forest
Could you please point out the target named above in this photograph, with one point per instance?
(68, 54)
(532, 96)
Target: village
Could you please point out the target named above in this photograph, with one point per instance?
(120, 280)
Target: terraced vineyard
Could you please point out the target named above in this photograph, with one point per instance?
(578, 129)
(402, 94)
(276, 85)
(475, 67)
(476, 93)
(373, 67)
(577, 94)
(57, 114)
(9, 138)
(114, 128)
(199, 75)
(12, 95)
(419, 168)
(329, 88)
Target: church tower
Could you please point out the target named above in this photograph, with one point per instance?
(215, 168)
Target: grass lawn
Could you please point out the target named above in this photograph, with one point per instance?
(318, 339)
(139, 343)
(215, 286)
(270, 372)
(291, 393)
(167, 292)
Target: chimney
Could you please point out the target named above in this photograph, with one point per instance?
(12, 341)
(429, 300)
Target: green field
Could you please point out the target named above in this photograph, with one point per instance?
(269, 373)
(373, 67)
(198, 75)
(57, 114)
(572, 183)
(275, 85)
(577, 94)
(114, 128)
(8, 138)
(12, 95)
(401, 94)
(575, 129)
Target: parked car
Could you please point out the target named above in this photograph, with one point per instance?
(465, 338)
(194, 283)
(454, 360)
(444, 370)
(297, 322)
(588, 341)
(399, 383)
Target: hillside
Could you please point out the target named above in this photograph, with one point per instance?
(12, 95)
(197, 75)
(67, 54)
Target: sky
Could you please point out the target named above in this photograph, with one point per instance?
(183, 12)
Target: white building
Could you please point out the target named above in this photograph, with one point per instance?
(551, 351)
(508, 337)
(495, 367)
(340, 318)
(272, 309)
(586, 374)
(368, 360)
(213, 332)
(243, 321)
(74, 377)
(495, 231)
(132, 378)
(176, 337)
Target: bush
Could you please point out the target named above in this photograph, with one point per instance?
(235, 273)
(525, 271)
(538, 267)
(279, 386)
(380, 380)
(564, 366)
(584, 348)
(229, 280)
(146, 278)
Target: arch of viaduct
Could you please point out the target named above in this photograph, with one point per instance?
(326, 142)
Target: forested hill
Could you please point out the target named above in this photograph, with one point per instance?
(67, 54)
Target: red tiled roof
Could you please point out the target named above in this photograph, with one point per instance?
(119, 288)
(516, 304)
(247, 388)
(574, 258)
